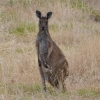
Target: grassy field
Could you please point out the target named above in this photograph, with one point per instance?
(74, 26)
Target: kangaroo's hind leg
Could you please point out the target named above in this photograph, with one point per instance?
(61, 78)
(43, 79)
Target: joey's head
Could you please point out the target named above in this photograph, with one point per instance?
(43, 21)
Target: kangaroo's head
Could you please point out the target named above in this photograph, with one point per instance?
(43, 21)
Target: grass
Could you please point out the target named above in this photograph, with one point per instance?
(23, 29)
(24, 3)
(89, 93)
(77, 3)
(96, 15)
(35, 89)
(19, 50)
(54, 27)
(73, 30)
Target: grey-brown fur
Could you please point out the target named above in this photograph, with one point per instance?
(52, 63)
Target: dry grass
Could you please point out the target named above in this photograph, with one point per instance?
(71, 27)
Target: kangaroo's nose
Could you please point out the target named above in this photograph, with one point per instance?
(43, 28)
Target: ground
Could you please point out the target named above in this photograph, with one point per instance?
(74, 28)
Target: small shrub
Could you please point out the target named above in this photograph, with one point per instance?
(11, 2)
(96, 15)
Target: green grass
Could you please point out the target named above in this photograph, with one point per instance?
(35, 89)
(68, 28)
(77, 3)
(96, 15)
(32, 88)
(23, 29)
(6, 16)
(89, 93)
(19, 50)
(24, 3)
(11, 2)
(97, 32)
(1, 88)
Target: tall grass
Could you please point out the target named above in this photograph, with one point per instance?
(74, 31)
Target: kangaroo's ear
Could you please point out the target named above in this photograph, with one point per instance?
(49, 15)
(38, 14)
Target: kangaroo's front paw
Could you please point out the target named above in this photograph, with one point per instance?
(46, 65)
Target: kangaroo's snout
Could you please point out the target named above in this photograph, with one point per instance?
(43, 28)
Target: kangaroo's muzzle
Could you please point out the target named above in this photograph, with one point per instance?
(43, 28)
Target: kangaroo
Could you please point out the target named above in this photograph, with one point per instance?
(53, 65)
